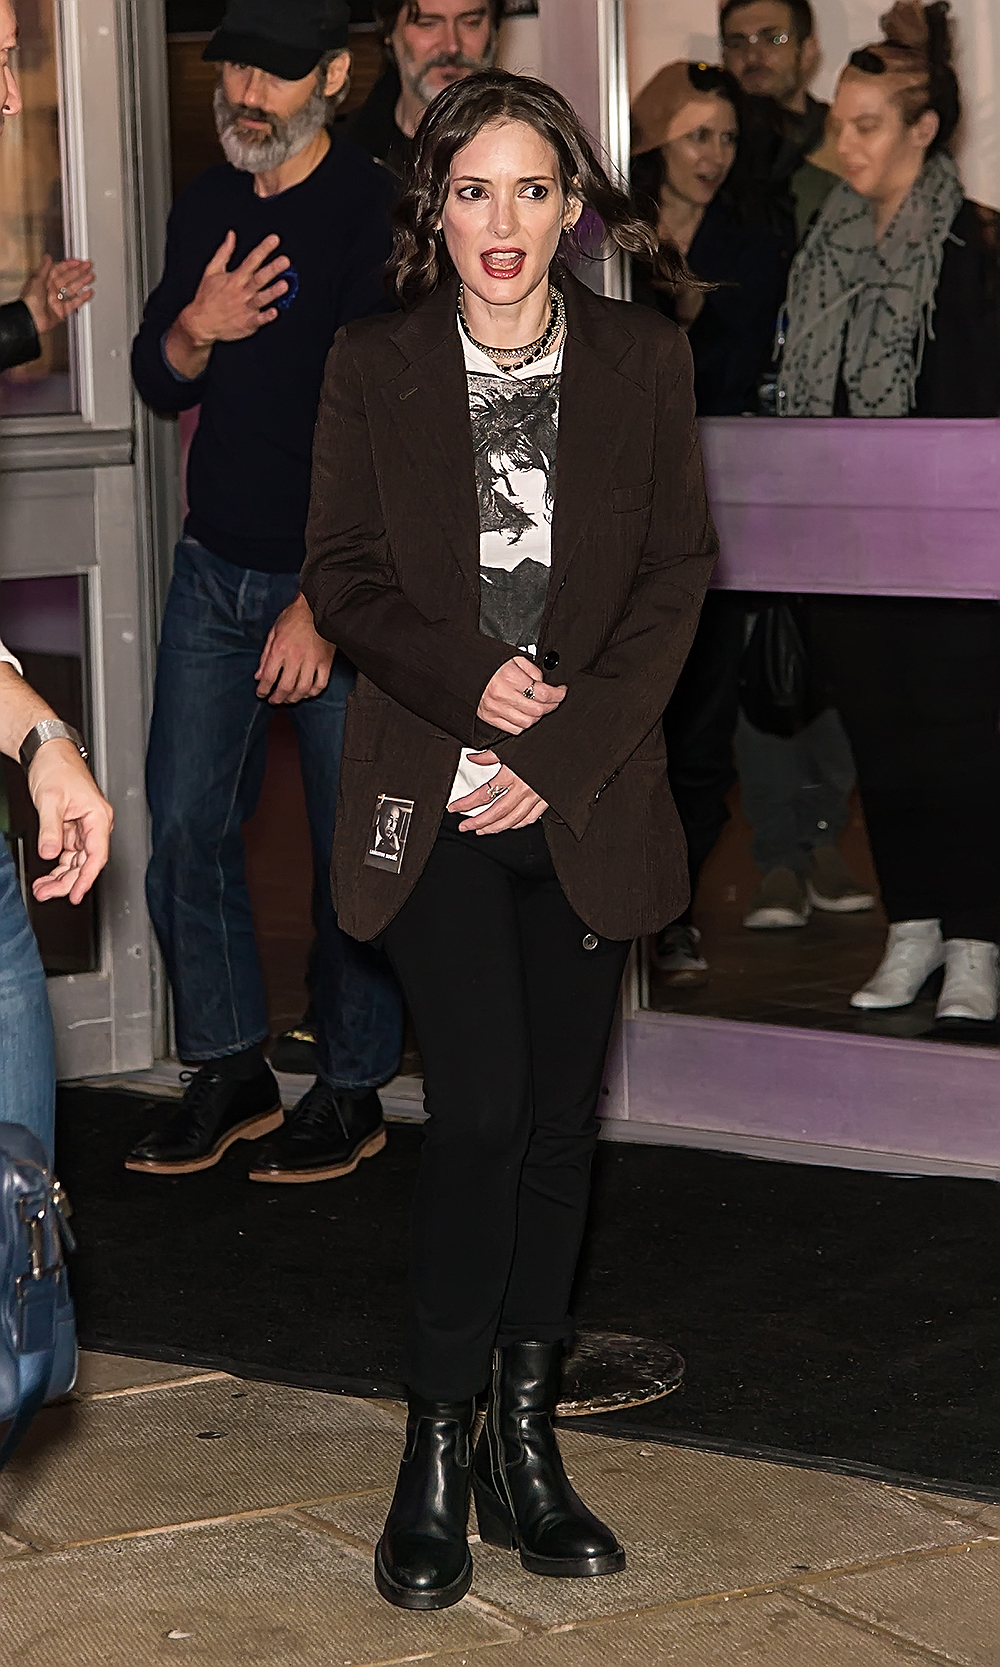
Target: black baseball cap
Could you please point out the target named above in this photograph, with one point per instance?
(286, 38)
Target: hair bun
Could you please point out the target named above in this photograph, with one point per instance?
(907, 25)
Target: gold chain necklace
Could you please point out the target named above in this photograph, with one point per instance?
(516, 358)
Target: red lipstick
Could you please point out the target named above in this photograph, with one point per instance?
(503, 262)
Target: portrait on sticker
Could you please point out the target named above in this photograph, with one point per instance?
(389, 830)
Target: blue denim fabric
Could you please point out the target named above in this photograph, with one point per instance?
(27, 1046)
(204, 771)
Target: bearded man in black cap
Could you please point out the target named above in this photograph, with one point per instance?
(267, 256)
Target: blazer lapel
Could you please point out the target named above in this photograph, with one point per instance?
(429, 403)
(594, 405)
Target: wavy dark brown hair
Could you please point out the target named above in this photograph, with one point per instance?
(420, 260)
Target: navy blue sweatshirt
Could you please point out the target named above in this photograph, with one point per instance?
(248, 475)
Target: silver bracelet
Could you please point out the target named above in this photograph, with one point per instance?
(50, 729)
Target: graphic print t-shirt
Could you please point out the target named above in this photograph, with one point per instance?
(515, 421)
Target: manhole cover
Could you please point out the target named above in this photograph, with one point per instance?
(609, 1372)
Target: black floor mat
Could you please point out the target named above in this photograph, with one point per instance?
(836, 1317)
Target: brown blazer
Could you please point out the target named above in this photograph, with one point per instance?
(392, 575)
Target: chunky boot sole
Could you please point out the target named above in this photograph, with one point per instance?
(404, 1597)
(369, 1148)
(252, 1130)
(497, 1527)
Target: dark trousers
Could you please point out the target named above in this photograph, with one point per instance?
(204, 773)
(513, 1012)
(917, 684)
(699, 724)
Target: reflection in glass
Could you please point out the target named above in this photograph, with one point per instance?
(31, 213)
(42, 622)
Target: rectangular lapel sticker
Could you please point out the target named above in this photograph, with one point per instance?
(389, 830)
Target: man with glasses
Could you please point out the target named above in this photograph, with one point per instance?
(770, 47)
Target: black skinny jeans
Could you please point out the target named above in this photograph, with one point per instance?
(917, 684)
(513, 1012)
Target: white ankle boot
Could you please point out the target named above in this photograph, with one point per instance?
(913, 950)
(971, 980)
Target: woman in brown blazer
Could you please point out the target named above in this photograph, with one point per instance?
(510, 538)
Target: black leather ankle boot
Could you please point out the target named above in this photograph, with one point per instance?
(524, 1500)
(422, 1560)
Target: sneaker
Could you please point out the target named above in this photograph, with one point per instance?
(914, 949)
(215, 1111)
(780, 900)
(677, 957)
(971, 980)
(326, 1135)
(831, 886)
(295, 1051)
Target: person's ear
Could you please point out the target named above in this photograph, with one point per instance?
(926, 129)
(572, 212)
(336, 75)
(808, 60)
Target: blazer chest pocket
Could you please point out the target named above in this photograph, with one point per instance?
(627, 498)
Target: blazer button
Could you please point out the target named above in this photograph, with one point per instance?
(591, 941)
(551, 660)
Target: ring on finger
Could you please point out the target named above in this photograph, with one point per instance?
(529, 692)
(495, 792)
(62, 294)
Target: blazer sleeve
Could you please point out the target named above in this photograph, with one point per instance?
(431, 667)
(573, 753)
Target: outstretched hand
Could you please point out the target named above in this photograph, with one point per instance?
(57, 290)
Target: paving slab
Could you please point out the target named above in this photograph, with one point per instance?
(695, 1523)
(752, 1632)
(93, 1469)
(270, 1593)
(964, 1510)
(949, 1604)
(103, 1374)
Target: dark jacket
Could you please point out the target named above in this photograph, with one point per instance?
(732, 338)
(960, 376)
(374, 128)
(19, 342)
(392, 574)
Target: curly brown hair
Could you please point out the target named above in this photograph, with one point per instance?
(420, 260)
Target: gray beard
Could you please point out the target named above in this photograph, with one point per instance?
(258, 156)
(419, 84)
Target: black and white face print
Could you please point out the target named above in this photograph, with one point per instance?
(389, 832)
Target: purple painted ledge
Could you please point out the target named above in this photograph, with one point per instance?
(907, 508)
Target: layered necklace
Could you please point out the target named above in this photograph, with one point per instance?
(510, 359)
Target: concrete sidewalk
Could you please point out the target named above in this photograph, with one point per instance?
(169, 1516)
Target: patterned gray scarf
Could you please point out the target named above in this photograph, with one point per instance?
(865, 305)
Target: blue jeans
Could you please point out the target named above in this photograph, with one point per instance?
(27, 1045)
(204, 772)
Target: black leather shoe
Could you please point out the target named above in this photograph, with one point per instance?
(524, 1500)
(327, 1134)
(215, 1111)
(422, 1560)
(296, 1051)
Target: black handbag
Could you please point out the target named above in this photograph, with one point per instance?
(37, 1330)
(779, 691)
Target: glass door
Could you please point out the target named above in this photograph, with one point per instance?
(80, 505)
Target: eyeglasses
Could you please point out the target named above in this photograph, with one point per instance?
(739, 43)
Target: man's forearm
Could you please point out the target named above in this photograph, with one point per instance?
(20, 710)
(186, 349)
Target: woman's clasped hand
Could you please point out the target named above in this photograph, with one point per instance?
(515, 697)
